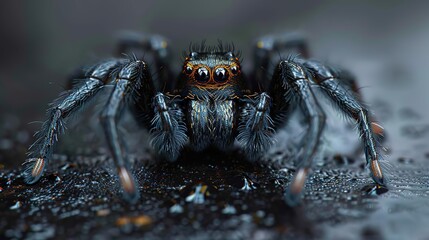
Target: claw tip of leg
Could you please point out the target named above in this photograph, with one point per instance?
(34, 170)
(132, 198)
(128, 184)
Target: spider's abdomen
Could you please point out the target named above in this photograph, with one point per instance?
(211, 123)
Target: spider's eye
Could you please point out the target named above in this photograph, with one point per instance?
(188, 70)
(202, 74)
(234, 69)
(221, 75)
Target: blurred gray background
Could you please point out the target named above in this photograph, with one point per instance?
(383, 42)
(42, 41)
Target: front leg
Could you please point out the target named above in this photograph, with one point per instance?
(133, 85)
(129, 81)
(291, 85)
(67, 105)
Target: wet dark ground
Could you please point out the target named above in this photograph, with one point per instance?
(202, 195)
(214, 195)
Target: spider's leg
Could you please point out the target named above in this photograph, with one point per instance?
(268, 51)
(154, 49)
(40, 151)
(131, 80)
(291, 84)
(330, 81)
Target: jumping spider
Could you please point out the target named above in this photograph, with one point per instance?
(211, 104)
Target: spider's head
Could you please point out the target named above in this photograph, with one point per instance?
(211, 69)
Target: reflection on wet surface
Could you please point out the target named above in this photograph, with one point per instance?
(201, 194)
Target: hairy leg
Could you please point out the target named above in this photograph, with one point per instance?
(269, 50)
(291, 85)
(132, 82)
(68, 103)
(154, 49)
(332, 84)
(256, 128)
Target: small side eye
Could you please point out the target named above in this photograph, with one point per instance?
(229, 55)
(193, 55)
(202, 74)
(221, 75)
(188, 70)
(234, 69)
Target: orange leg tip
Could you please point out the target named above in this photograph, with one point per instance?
(376, 173)
(298, 181)
(38, 167)
(377, 128)
(127, 181)
(34, 168)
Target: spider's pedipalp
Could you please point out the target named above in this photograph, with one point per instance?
(256, 128)
(169, 129)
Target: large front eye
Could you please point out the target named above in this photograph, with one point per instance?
(221, 75)
(202, 74)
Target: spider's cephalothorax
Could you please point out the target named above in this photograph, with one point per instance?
(211, 88)
(212, 104)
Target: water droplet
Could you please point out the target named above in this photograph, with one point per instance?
(229, 210)
(176, 208)
(248, 184)
(17, 205)
(198, 195)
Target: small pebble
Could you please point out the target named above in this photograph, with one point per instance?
(138, 221)
(176, 208)
(229, 210)
(17, 205)
(406, 160)
(248, 184)
(103, 212)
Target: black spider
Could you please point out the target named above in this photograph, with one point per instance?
(211, 104)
